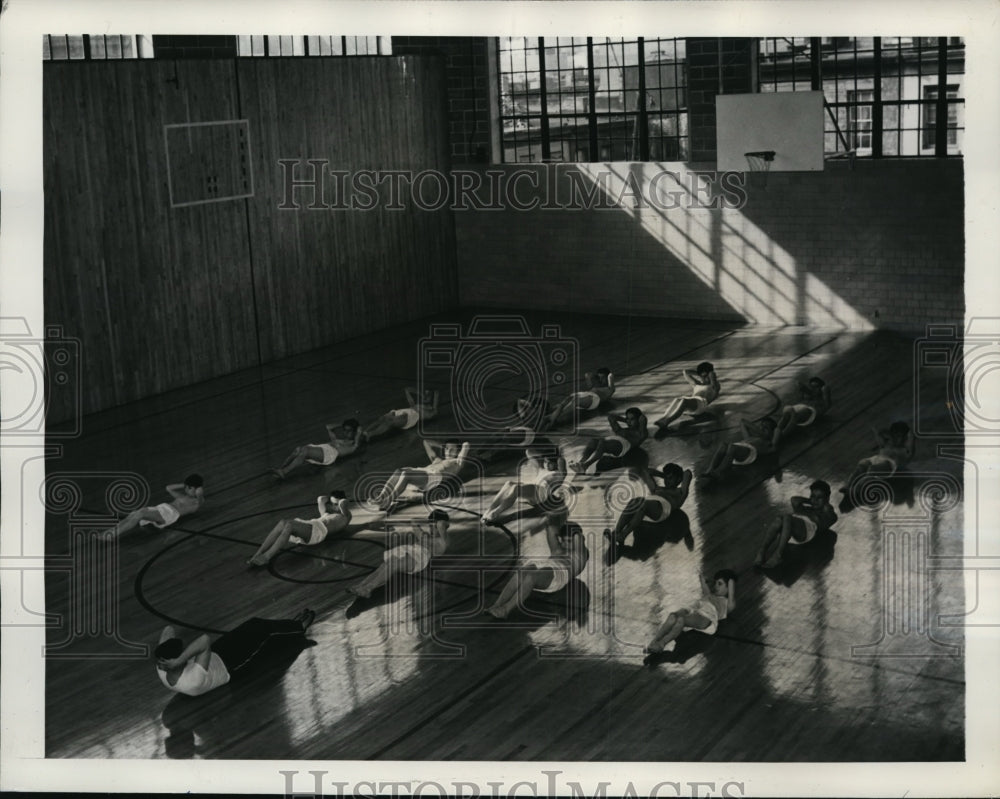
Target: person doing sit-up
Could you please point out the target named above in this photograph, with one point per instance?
(334, 516)
(704, 390)
(629, 431)
(344, 441)
(568, 555)
(187, 498)
(421, 407)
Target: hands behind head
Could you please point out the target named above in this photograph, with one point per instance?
(169, 663)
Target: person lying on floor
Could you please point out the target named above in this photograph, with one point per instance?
(810, 515)
(411, 557)
(759, 438)
(202, 665)
(600, 388)
(704, 390)
(188, 497)
(344, 441)
(544, 489)
(628, 431)
(717, 601)
(656, 506)
(814, 402)
(568, 555)
(446, 460)
(420, 407)
(333, 518)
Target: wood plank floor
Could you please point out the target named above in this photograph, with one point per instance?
(814, 665)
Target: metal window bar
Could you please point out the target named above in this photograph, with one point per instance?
(543, 99)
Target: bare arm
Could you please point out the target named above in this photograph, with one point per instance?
(731, 597)
(200, 649)
(411, 396)
(611, 382)
(643, 427)
(615, 420)
(168, 633)
(552, 536)
(685, 484)
(706, 589)
(176, 489)
(344, 510)
(463, 453)
(827, 397)
(692, 377)
(434, 402)
(799, 504)
(431, 448)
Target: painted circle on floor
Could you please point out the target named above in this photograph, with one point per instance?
(346, 560)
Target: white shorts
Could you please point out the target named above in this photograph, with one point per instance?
(168, 513)
(810, 526)
(412, 417)
(664, 508)
(420, 555)
(317, 535)
(702, 405)
(560, 574)
(587, 400)
(749, 458)
(329, 454)
(625, 446)
(808, 408)
(706, 607)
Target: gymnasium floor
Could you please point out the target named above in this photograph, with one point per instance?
(418, 673)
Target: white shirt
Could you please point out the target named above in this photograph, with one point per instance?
(194, 680)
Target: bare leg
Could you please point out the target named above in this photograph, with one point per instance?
(718, 457)
(517, 590)
(384, 573)
(667, 632)
(591, 454)
(297, 458)
(383, 425)
(280, 532)
(560, 409)
(771, 535)
(787, 420)
(131, 521)
(779, 551)
(504, 499)
(398, 483)
(674, 410)
(630, 518)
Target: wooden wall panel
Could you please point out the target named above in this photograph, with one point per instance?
(325, 275)
(156, 294)
(163, 296)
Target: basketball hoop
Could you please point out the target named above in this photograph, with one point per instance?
(760, 166)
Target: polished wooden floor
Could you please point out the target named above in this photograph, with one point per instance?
(821, 661)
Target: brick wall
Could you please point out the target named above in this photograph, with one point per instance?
(468, 90)
(881, 245)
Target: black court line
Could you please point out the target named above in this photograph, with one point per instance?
(192, 534)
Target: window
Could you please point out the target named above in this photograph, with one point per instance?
(859, 121)
(880, 93)
(930, 117)
(61, 47)
(592, 99)
(312, 45)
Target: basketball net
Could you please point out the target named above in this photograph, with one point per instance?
(760, 166)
